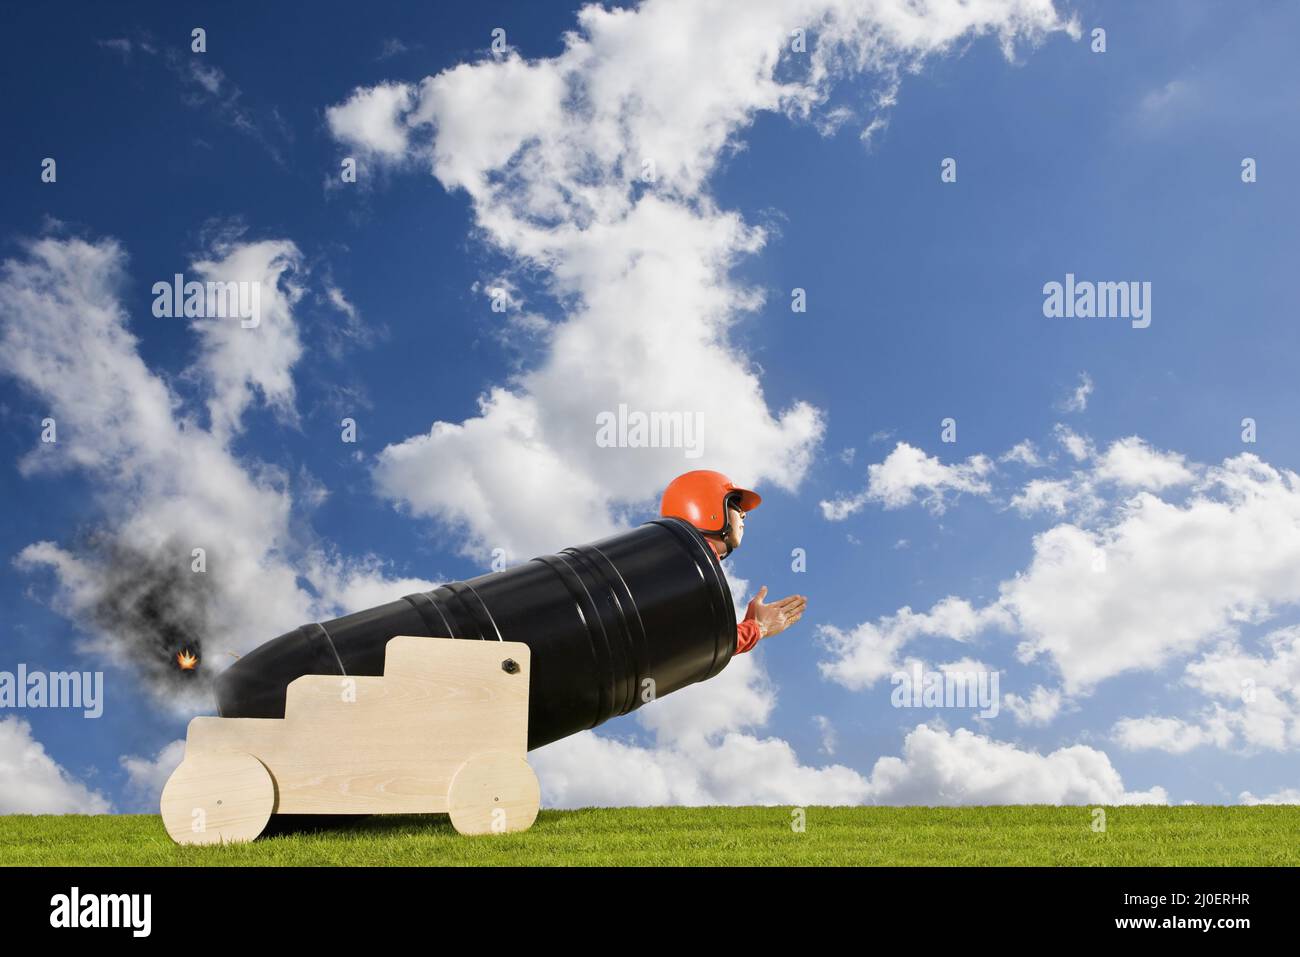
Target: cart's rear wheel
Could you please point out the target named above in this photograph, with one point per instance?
(218, 798)
(493, 793)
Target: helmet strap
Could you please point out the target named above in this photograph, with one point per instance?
(722, 537)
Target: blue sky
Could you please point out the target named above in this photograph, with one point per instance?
(924, 302)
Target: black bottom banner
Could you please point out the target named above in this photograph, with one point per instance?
(333, 905)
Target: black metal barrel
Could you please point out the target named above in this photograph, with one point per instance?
(601, 619)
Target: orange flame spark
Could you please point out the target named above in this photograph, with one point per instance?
(187, 660)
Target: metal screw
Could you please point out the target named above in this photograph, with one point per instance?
(510, 666)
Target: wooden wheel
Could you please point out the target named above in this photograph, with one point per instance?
(218, 798)
(494, 792)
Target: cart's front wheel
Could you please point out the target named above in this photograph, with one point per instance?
(218, 798)
(493, 793)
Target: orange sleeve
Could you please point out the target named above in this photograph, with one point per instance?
(747, 635)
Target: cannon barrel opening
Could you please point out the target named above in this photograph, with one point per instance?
(611, 625)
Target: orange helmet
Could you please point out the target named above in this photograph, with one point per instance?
(700, 498)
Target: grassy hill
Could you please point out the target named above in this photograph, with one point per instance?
(1265, 835)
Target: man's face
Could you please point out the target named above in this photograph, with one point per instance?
(737, 531)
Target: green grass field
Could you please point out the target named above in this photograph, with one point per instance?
(1265, 835)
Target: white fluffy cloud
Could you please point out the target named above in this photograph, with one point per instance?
(592, 172)
(146, 776)
(1128, 465)
(236, 366)
(907, 475)
(1041, 707)
(1025, 453)
(936, 767)
(1132, 463)
(1164, 734)
(165, 484)
(1284, 796)
(372, 120)
(31, 782)
(650, 334)
(1160, 578)
(862, 656)
(1055, 496)
(1253, 701)
(1079, 447)
(1155, 559)
(961, 767)
(1077, 401)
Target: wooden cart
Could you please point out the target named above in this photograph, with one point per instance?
(443, 731)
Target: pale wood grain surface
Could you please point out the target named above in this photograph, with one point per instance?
(391, 744)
